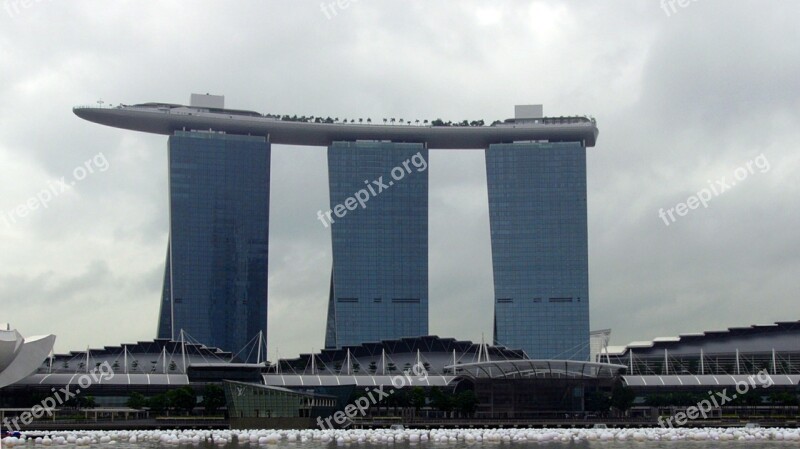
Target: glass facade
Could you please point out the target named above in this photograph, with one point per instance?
(246, 400)
(215, 285)
(537, 212)
(379, 284)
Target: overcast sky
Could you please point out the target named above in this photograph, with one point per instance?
(683, 100)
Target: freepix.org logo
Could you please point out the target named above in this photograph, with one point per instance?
(15, 7)
(717, 399)
(54, 188)
(59, 397)
(670, 7)
(373, 189)
(374, 396)
(714, 189)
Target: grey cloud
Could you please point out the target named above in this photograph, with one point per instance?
(679, 100)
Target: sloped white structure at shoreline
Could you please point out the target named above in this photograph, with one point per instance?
(20, 357)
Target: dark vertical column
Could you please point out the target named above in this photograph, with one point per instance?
(379, 225)
(216, 285)
(165, 314)
(537, 212)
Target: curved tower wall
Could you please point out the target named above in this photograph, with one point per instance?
(379, 284)
(215, 286)
(540, 260)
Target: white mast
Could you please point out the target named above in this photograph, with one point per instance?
(630, 359)
(183, 351)
(738, 370)
(260, 337)
(774, 363)
(702, 363)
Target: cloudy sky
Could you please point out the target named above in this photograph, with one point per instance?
(683, 101)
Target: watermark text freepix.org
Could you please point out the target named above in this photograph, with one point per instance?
(14, 7)
(669, 6)
(373, 397)
(373, 189)
(98, 163)
(60, 397)
(717, 399)
(330, 8)
(714, 189)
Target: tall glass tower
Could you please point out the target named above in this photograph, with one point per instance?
(215, 284)
(379, 285)
(537, 214)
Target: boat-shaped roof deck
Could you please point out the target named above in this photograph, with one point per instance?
(164, 118)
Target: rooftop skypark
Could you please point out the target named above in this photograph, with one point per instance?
(207, 113)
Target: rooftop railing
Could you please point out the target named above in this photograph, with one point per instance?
(360, 121)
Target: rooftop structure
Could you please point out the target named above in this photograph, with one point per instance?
(426, 361)
(146, 366)
(380, 357)
(780, 336)
(769, 353)
(598, 344)
(208, 114)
